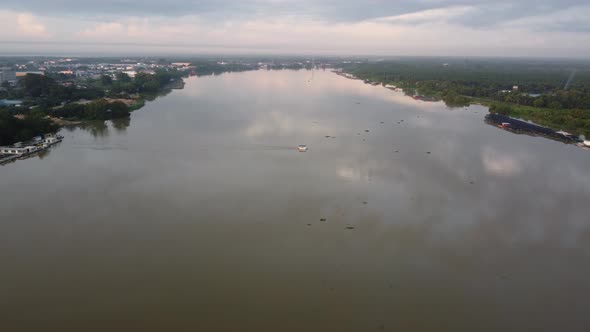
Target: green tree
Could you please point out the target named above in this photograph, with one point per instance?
(119, 110)
(123, 77)
(539, 102)
(106, 80)
(37, 85)
(555, 105)
(97, 110)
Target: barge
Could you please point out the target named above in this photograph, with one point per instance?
(523, 127)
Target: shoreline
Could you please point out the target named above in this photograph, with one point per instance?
(540, 116)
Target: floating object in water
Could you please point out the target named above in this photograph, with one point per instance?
(323, 219)
(428, 152)
(349, 227)
(366, 130)
(365, 203)
(302, 148)
(327, 136)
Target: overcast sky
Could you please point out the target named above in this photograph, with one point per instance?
(548, 28)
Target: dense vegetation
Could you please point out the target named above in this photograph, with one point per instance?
(14, 130)
(204, 68)
(536, 90)
(572, 120)
(142, 83)
(96, 110)
(64, 97)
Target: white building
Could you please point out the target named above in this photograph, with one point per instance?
(130, 73)
(181, 64)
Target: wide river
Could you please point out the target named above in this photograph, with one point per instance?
(199, 214)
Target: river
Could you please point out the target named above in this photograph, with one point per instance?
(198, 214)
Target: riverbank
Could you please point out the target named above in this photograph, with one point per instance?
(574, 121)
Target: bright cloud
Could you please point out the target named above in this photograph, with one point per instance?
(28, 24)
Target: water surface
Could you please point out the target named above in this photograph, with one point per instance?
(198, 214)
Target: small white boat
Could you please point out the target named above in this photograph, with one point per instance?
(302, 148)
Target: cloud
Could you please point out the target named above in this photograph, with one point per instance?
(573, 19)
(103, 30)
(30, 26)
(428, 16)
(420, 27)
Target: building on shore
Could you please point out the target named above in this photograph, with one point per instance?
(181, 64)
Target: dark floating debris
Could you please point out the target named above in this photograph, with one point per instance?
(429, 152)
(366, 130)
(382, 122)
(471, 182)
(308, 224)
(349, 227)
(365, 203)
(327, 136)
(323, 219)
(396, 151)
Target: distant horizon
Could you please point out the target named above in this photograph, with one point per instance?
(204, 54)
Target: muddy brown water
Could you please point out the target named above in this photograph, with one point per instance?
(199, 214)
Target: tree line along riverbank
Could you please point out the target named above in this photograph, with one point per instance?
(552, 94)
(52, 100)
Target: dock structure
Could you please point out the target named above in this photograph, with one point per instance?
(23, 150)
(524, 127)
